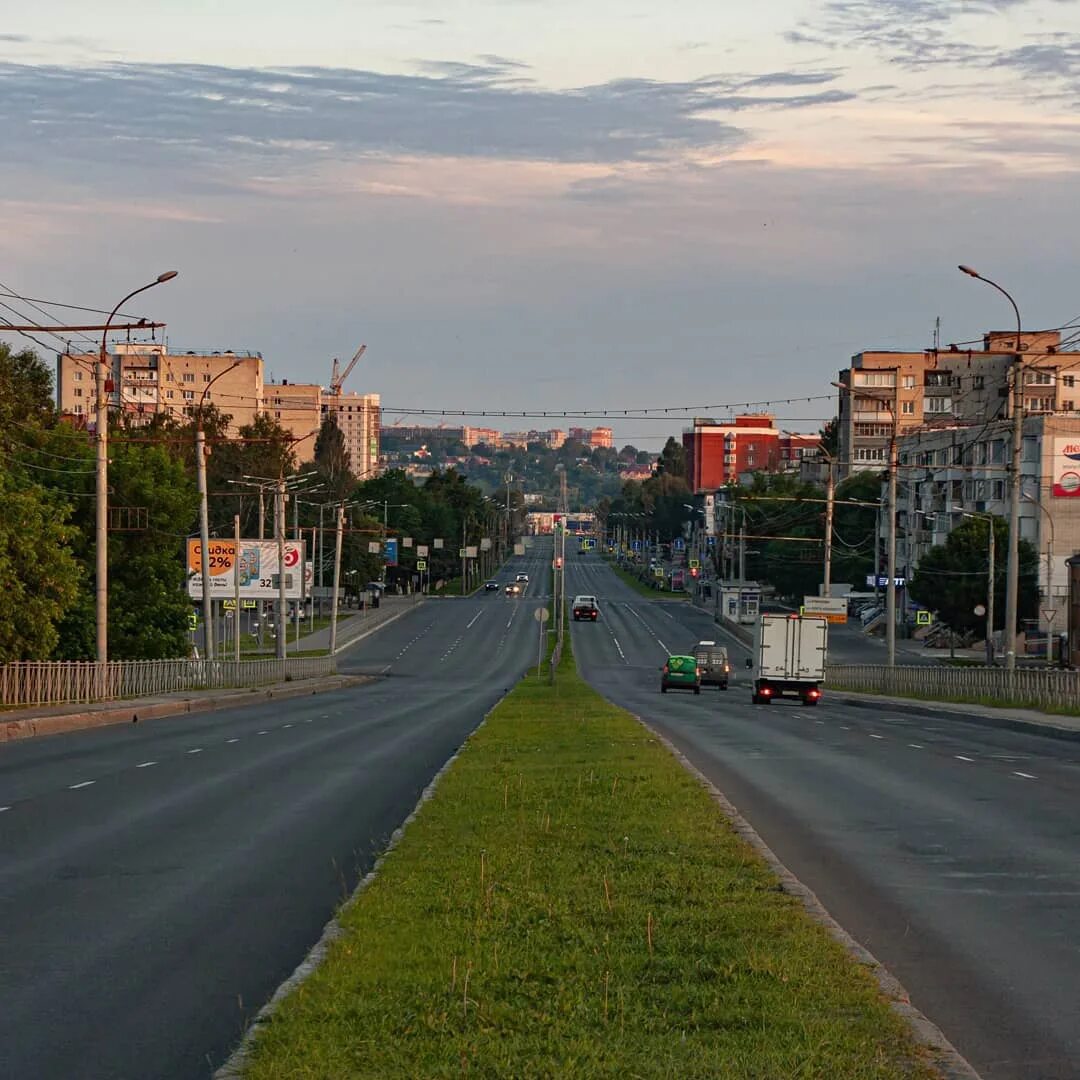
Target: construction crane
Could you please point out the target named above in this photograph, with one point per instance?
(338, 377)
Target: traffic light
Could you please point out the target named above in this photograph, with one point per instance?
(558, 562)
(693, 571)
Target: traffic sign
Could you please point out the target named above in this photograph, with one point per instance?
(192, 621)
(679, 543)
(658, 572)
(229, 605)
(1049, 614)
(695, 564)
(923, 618)
(541, 614)
(421, 564)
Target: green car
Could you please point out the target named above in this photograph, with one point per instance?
(680, 673)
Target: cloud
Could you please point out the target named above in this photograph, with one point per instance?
(182, 114)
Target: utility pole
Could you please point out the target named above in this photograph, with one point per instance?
(830, 503)
(236, 588)
(890, 586)
(742, 550)
(283, 604)
(339, 532)
(990, 598)
(204, 540)
(464, 558)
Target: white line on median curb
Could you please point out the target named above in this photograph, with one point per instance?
(75, 787)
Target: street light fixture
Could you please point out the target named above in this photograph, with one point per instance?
(101, 539)
(1012, 572)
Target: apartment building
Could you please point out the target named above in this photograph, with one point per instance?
(358, 418)
(593, 437)
(718, 453)
(939, 387)
(952, 471)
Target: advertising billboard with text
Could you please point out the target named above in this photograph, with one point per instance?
(257, 567)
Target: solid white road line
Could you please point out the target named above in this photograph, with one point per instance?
(960, 757)
(1025, 775)
(145, 765)
(75, 787)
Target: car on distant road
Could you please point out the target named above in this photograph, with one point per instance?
(680, 673)
(585, 607)
(491, 586)
(523, 578)
(513, 589)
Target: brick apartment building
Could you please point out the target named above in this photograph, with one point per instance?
(938, 387)
(718, 453)
(146, 379)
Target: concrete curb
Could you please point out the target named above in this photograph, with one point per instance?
(378, 626)
(1046, 728)
(949, 1062)
(136, 710)
(233, 1069)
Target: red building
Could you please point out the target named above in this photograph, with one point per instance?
(719, 453)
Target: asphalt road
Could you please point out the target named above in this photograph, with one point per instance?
(951, 851)
(158, 882)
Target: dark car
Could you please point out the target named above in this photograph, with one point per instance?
(491, 586)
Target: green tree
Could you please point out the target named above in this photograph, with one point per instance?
(332, 461)
(952, 578)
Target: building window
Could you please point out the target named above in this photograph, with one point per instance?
(997, 489)
(189, 395)
(870, 453)
(1068, 380)
(909, 382)
(978, 382)
(1068, 406)
(1039, 404)
(939, 378)
(907, 408)
(78, 376)
(168, 393)
(206, 377)
(873, 431)
(937, 406)
(189, 376)
(875, 378)
(1040, 378)
(78, 391)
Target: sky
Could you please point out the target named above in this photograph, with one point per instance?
(539, 205)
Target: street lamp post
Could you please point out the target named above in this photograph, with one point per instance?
(101, 584)
(1012, 572)
(1050, 546)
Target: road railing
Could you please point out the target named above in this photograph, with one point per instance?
(1030, 688)
(63, 682)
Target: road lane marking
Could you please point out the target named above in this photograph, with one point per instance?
(877, 736)
(474, 618)
(286, 725)
(260, 732)
(4, 809)
(1025, 775)
(75, 787)
(146, 765)
(819, 721)
(197, 750)
(237, 740)
(960, 757)
(915, 745)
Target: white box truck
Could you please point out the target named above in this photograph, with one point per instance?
(790, 655)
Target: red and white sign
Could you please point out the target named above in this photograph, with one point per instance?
(1065, 470)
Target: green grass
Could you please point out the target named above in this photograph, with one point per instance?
(982, 700)
(641, 587)
(572, 903)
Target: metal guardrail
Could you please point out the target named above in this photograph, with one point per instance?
(40, 682)
(1035, 688)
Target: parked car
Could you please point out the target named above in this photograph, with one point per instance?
(680, 673)
(491, 586)
(713, 661)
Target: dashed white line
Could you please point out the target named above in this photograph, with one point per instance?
(4, 809)
(1025, 775)
(819, 721)
(145, 764)
(915, 745)
(877, 736)
(197, 750)
(473, 620)
(286, 725)
(75, 787)
(960, 757)
(260, 733)
(237, 740)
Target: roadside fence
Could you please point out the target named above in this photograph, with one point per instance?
(1034, 688)
(40, 682)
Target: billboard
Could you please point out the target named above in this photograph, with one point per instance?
(834, 608)
(1065, 470)
(390, 552)
(257, 567)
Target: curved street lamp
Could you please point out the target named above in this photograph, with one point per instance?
(101, 538)
(1012, 572)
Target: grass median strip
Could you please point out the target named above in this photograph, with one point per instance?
(642, 587)
(572, 903)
